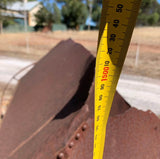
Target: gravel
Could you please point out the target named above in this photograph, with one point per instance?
(140, 92)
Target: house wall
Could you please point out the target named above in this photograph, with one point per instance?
(31, 18)
(9, 11)
(30, 14)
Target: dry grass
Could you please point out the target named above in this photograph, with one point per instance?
(147, 35)
(149, 40)
(40, 43)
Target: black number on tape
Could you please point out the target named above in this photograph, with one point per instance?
(119, 8)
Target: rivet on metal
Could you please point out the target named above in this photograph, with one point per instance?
(77, 136)
(60, 156)
(71, 144)
(156, 128)
(1, 116)
(84, 127)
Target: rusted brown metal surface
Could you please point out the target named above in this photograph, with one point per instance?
(14, 77)
(51, 115)
(44, 91)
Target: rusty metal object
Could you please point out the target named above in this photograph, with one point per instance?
(44, 91)
(14, 77)
(52, 118)
(134, 134)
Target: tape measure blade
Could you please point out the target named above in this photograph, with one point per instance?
(117, 23)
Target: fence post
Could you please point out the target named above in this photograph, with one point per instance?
(137, 55)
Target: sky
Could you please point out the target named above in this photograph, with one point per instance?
(61, 4)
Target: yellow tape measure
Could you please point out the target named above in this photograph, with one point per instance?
(117, 22)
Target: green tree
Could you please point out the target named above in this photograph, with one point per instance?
(96, 14)
(48, 15)
(93, 7)
(149, 13)
(56, 14)
(153, 19)
(43, 17)
(74, 13)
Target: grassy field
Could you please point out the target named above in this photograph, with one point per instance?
(39, 44)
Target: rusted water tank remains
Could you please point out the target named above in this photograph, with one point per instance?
(51, 114)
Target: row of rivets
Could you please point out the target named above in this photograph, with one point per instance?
(78, 135)
(71, 144)
(84, 127)
(60, 156)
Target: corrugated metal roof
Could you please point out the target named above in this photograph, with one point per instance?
(20, 6)
(16, 15)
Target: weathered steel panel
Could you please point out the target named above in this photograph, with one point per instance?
(44, 91)
(51, 115)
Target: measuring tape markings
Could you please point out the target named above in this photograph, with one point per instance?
(117, 23)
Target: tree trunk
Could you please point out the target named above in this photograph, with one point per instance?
(77, 28)
(1, 27)
(90, 15)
